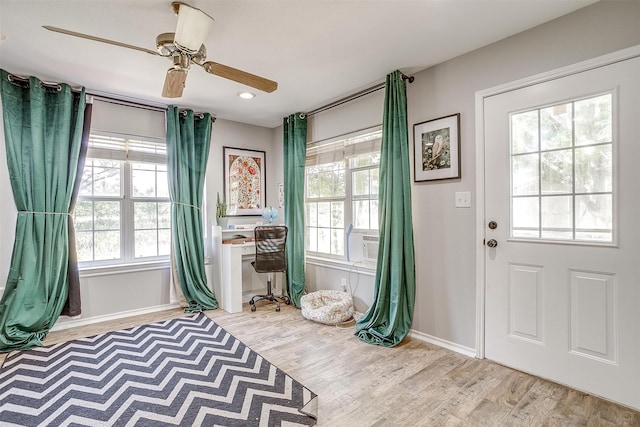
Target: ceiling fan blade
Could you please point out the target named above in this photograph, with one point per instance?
(240, 76)
(174, 83)
(99, 39)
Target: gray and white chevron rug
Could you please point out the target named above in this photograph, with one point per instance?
(185, 372)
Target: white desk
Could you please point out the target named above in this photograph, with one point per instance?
(232, 254)
(227, 269)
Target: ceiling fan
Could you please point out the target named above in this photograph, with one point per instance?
(184, 48)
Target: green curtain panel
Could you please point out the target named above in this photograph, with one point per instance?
(295, 152)
(43, 133)
(188, 141)
(388, 320)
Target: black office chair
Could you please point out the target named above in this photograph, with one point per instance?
(270, 258)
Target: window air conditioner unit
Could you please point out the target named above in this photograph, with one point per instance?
(362, 247)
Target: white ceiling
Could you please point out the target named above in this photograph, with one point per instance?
(317, 51)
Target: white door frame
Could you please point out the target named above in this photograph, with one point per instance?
(580, 67)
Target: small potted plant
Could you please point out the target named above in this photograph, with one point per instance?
(221, 214)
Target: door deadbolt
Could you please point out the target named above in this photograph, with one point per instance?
(493, 225)
(492, 243)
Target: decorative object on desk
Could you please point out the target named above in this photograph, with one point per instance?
(244, 180)
(221, 214)
(436, 149)
(281, 195)
(269, 214)
(185, 371)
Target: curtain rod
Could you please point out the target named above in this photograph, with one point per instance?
(141, 105)
(127, 103)
(355, 96)
(102, 97)
(13, 78)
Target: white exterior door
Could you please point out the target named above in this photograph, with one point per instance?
(562, 187)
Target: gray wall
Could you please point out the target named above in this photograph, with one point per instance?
(226, 133)
(445, 236)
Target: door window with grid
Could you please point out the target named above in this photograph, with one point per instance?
(562, 171)
(341, 189)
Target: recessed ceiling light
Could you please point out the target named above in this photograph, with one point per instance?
(247, 95)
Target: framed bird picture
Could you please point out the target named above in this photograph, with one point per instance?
(436, 149)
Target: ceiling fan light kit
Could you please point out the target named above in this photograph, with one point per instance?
(184, 47)
(193, 26)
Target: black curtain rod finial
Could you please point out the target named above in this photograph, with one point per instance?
(410, 78)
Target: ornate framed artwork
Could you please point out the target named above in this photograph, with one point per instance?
(244, 181)
(436, 149)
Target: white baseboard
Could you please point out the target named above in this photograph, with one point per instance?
(79, 321)
(467, 351)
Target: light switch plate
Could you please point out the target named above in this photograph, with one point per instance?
(463, 199)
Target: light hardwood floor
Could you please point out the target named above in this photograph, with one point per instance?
(413, 384)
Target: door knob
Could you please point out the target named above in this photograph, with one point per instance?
(492, 243)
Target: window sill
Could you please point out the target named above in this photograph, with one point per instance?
(365, 268)
(107, 270)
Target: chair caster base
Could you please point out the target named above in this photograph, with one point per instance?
(271, 298)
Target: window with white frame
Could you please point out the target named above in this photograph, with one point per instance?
(123, 212)
(341, 189)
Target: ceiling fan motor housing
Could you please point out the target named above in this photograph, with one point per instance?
(166, 47)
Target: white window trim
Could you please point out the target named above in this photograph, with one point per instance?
(108, 270)
(364, 268)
